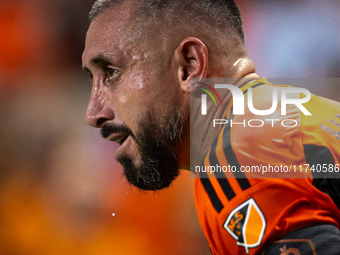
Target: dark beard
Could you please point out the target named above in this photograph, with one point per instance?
(158, 144)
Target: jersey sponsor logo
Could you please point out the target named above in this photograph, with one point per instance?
(291, 247)
(246, 224)
(331, 131)
(290, 251)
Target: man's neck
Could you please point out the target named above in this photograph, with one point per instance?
(202, 131)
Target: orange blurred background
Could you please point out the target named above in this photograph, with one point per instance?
(59, 182)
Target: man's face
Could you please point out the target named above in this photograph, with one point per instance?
(135, 99)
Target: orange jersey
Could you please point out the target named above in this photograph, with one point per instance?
(240, 209)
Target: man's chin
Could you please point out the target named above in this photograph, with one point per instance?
(147, 177)
(157, 148)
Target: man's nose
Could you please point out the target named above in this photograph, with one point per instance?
(99, 110)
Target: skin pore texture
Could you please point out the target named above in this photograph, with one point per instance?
(141, 91)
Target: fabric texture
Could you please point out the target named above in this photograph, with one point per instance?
(276, 186)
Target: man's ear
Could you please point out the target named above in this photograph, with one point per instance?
(192, 60)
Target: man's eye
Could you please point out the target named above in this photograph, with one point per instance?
(111, 73)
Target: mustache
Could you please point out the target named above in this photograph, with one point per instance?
(108, 129)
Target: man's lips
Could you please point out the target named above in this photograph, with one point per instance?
(118, 137)
(113, 131)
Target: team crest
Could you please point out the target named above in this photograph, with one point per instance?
(246, 224)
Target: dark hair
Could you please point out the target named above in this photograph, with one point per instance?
(223, 15)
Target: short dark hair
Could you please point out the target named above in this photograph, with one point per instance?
(223, 15)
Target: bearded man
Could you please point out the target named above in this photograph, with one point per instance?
(149, 61)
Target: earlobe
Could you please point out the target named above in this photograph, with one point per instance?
(192, 61)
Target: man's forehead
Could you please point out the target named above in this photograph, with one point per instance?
(108, 32)
(113, 19)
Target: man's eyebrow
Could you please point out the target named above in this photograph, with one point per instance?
(100, 60)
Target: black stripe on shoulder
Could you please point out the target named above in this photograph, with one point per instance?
(317, 156)
(231, 158)
(228, 150)
(224, 183)
(216, 202)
